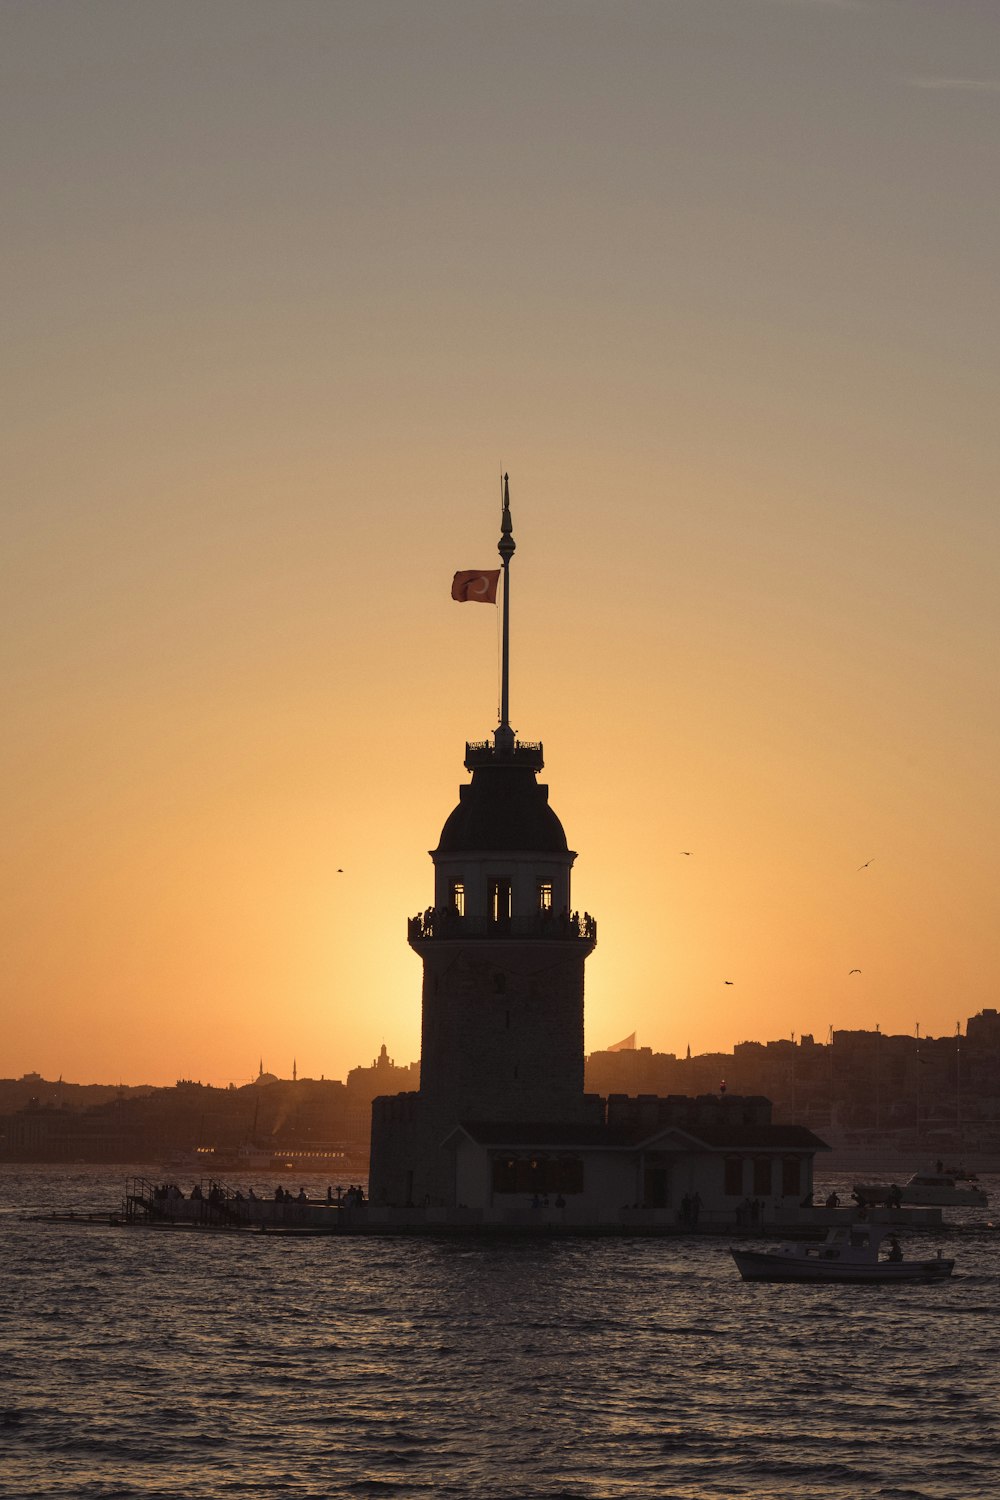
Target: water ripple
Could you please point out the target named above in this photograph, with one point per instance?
(208, 1367)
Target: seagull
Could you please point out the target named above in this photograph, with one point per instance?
(340, 872)
(866, 864)
(854, 971)
(685, 851)
(727, 981)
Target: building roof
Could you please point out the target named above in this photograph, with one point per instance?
(547, 1136)
(556, 1137)
(767, 1137)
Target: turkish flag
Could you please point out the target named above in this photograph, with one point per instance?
(475, 587)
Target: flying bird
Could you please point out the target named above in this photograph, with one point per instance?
(340, 872)
(866, 864)
(854, 971)
(727, 981)
(685, 851)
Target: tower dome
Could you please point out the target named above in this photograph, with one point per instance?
(504, 808)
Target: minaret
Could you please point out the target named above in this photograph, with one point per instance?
(502, 949)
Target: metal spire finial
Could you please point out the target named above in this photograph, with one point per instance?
(503, 737)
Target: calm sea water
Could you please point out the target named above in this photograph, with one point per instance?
(142, 1364)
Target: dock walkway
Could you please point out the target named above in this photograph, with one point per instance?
(215, 1207)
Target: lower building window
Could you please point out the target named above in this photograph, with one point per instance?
(762, 1175)
(542, 1175)
(791, 1177)
(733, 1184)
(656, 1187)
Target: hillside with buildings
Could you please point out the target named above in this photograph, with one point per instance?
(42, 1121)
(927, 1094)
(855, 1088)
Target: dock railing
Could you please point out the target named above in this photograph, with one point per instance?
(215, 1205)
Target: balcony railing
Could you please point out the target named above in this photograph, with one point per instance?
(445, 922)
(484, 753)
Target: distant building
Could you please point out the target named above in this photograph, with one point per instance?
(634, 1070)
(365, 1084)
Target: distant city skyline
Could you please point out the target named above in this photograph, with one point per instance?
(335, 1072)
(915, 1094)
(288, 287)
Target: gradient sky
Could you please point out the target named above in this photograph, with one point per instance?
(286, 285)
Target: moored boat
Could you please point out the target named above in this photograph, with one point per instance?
(937, 1189)
(850, 1252)
(297, 1160)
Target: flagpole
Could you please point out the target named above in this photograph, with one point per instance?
(504, 737)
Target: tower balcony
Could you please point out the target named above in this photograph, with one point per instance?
(444, 923)
(485, 753)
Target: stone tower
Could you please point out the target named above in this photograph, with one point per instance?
(503, 952)
(503, 955)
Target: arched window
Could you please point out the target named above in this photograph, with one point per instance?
(500, 900)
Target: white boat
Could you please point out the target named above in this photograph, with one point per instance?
(936, 1189)
(850, 1252)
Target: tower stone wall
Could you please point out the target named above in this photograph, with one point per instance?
(502, 1034)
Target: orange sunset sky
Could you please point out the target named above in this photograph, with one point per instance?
(287, 285)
